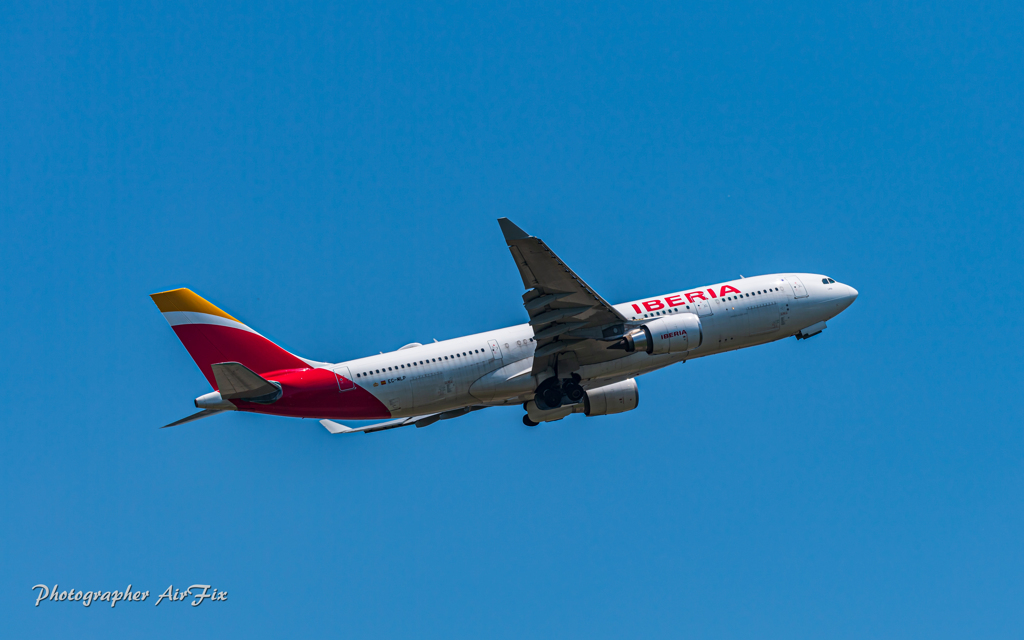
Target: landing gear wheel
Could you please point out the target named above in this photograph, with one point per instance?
(573, 391)
(528, 422)
(552, 397)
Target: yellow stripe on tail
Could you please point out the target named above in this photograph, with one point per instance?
(187, 300)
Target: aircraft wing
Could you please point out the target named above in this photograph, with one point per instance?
(566, 313)
(419, 421)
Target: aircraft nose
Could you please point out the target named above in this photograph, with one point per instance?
(849, 296)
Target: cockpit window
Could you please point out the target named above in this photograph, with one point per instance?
(824, 281)
(831, 281)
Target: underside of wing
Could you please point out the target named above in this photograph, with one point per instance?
(419, 421)
(572, 323)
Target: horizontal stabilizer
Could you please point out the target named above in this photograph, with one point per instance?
(206, 413)
(236, 381)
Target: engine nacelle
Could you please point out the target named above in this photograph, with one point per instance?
(612, 398)
(667, 334)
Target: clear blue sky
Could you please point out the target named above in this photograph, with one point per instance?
(332, 177)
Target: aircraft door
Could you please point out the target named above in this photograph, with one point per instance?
(703, 307)
(495, 349)
(344, 377)
(798, 287)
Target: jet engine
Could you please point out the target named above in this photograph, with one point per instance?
(612, 398)
(667, 334)
(602, 401)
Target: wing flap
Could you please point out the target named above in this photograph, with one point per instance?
(558, 300)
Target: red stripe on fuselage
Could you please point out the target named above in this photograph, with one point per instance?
(313, 393)
(210, 343)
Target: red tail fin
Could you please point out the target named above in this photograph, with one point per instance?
(211, 336)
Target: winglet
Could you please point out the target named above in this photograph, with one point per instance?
(511, 231)
(335, 427)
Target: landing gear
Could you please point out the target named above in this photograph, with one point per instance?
(549, 394)
(573, 391)
(552, 397)
(528, 422)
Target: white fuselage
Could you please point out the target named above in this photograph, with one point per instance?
(494, 367)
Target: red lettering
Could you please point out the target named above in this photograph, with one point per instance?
(727, 289)
(712, 292)
(649, 305)
(637, 309)
(696, 294)
(674, 301)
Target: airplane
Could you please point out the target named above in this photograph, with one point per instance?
(577, 353)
